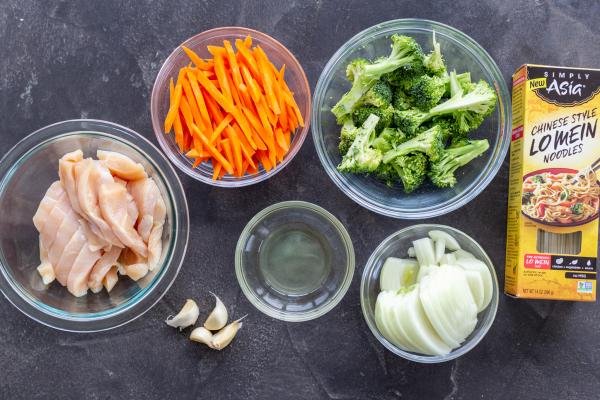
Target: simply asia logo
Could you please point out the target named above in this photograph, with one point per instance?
(563, 86)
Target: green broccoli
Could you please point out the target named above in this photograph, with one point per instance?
(426, 91)
(386, 115)
(347, 135)
(387, 174)
(442, 171)
(538, 179)
(448, 126)
(469, 110)
(464, 81)
(361, 158)
(405, 51)
(380, 95)
(434, 62)
(577, 208)
(388, 139)
(428, 142)
(355, 65)
(412, 170)
(400, 100)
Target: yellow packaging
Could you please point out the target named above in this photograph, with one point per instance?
(552, 233)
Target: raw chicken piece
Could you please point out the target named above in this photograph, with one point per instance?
(62, 235)
(114, 204)
(95, 242)
(80, 270)
(45, 268)
(110, 279)
(53, 195)
(146, 194)
(155, 239)
(89, 176)
(132, 208)
(66, 172)
(122, 166)
(133, 265)
(102, 267)
(71, 251)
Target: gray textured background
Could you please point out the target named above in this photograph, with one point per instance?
(72, 59)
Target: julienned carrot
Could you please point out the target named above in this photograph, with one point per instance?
(233, 109)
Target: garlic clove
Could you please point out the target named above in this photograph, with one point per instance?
(202, 335)
(186, 317)
(222, 338)
(218, 317)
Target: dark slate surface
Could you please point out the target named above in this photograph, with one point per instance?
(72, 59)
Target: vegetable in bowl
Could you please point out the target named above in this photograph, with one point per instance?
(424, 117)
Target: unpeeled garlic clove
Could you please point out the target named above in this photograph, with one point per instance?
(186, 317)
(222, 338)
(218, 317)
(202, 335)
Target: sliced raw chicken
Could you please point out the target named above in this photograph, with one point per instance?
(66, 172)
(71, 251)
(110, 279)
(146, 194)
(114, 204)
(80, 270)
(53, 195)
(132, 208)
(133, 265)
(45, 269)
(102, 267)
(90, 175)
(122, 166)
(155, 239)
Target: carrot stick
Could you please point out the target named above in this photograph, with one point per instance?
(248, 41)
(216, 170)
(221, 77)
(193, 153)
(226, 144)
(236, 148)
(246, 148)
(254, 89)
(268, 78)
(212, 150)
(199, 62)
(184, 106)
(191, 99)
(281, 141)
(225, 122)
(233, 65)
(199, 100)
(216, 51)
(247, 56)
(174, 107)
(178, 131)
(264, 160)
(216, 94)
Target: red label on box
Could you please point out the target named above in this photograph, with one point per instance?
(538, 261)
(517, 133)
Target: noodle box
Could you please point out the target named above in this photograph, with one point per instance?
(552, 232)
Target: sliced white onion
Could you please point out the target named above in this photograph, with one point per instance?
(451, 243)
(398, 273)
(424, 251)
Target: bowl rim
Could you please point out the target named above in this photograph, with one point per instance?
(246, 180)
(467, 346)
(347, 185)
(166, 275)
(302, 315)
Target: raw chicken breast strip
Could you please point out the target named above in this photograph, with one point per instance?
(53, 195)
(114, 204)
(122, 166)
(66, 172)
(155, 239)
(146, 194)
(133, 265)
(102, 267)
(132, 208)
(77, 281)
(71, 251)
(90, 175)
(45, 269)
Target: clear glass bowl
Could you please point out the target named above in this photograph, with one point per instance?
(294, 304)
(159, 103)
(461, 53)
(26, 171)
(396, 245)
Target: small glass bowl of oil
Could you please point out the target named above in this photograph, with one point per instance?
(294, 261)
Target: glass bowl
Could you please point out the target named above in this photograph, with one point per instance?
(159, 103)
(26, 171)
(396, 245)
(461, 53)
(295, 294)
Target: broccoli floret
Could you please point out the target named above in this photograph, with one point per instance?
(410, 120)
(353, 66)
(428, 142)
(411, 169)
(387, 174)
(577, 208)
(347, 135)
(442, 171)
(361, 158)
(426, 91)
(526, 198)
(469, 109)
(400, 100)
(386, 115)
(434, 62)
(538, 179)
(405, 51)
(448, 126)
(380, 95)
(388, 139)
